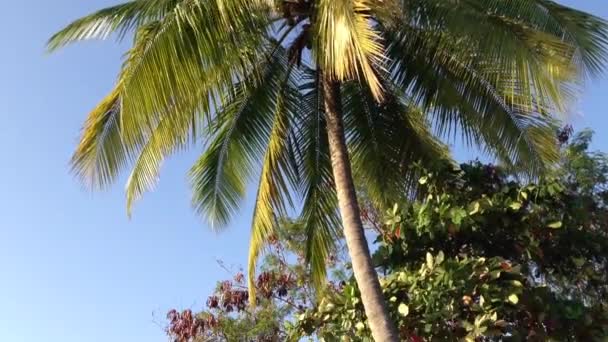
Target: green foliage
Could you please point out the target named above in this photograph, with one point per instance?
(479, 256)
(439, 299)
(585, 171)
(264, 324)
(479, 213)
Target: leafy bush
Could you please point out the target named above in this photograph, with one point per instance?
(482, 257)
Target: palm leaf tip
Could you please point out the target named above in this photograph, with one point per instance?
(100, 154)
(119, 19)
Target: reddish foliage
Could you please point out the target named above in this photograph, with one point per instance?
(239, 278)
(416, 338)
(184, 326)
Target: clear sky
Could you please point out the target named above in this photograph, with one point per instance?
(72, 266)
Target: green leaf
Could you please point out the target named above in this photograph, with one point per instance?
(555, 225)
(515, 206)
(429, 260)
(404, 310)
(524, 195)
(423, 180)
(513, 298)
(457, 215)
(516, 283)
(439, 258)
(579, 262)
(475, 208)
(467, 325)
(360, 326)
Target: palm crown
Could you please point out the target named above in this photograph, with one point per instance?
(243, 78)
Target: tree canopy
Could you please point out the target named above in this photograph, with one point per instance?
(242, 78)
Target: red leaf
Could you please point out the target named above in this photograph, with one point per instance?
(416, 338)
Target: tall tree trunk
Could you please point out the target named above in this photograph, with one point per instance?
(381, 325)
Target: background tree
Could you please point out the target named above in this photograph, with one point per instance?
(483, 257)
(238, 75)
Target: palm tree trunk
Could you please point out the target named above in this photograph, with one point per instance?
(381, 325)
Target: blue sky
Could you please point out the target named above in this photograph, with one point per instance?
(72, 266)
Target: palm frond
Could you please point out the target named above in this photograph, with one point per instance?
(348, 47)
(319, 214)
(385, 141)
(173, 132)
(142, 116)
(120, 19)
(240, 134)
(491, 106)
(101, 152)
(193, 58)
(588, 33)
(530, 37)
(99, 166)
(162, 135)
(277, 180)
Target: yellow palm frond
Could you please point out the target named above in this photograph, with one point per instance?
(100, 153)
(273, 191)
(348, 47)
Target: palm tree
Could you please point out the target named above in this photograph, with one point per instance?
(319, 94)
